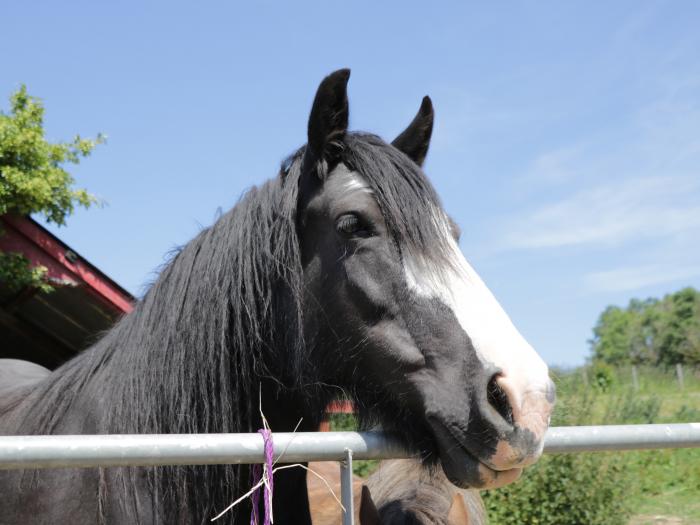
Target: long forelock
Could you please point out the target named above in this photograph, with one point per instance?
(420, 229)
(409, 204)
(411, 208)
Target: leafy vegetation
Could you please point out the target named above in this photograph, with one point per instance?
(33, 179)
(16, 273)
(654, 332)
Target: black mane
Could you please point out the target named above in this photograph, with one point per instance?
(226, 311)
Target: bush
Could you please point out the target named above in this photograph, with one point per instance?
(603, 376)
(565, 489)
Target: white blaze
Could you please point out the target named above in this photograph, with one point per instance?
(496, 340)
(353, 180)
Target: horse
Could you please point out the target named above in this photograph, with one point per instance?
(324, 476)
(342, 275)
(404, 492)
(399, 492)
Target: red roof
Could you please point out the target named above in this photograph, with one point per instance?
(50, 328)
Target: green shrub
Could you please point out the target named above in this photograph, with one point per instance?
(687, 414)
(632, 409)
(603, 376)
(564, 489)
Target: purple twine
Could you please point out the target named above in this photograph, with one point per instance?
(256, 474)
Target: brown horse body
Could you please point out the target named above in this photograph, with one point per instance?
(399, 492)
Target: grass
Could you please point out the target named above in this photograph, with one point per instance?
(668, 484)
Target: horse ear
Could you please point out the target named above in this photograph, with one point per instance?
(369, 515)
(415, 139)
(458, 511)
(328, 121)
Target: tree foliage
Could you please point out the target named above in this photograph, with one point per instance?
(33, 178)
(653, 332)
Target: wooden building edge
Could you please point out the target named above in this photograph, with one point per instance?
(50, 328)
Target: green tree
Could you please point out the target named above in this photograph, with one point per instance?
(643, 331)
(679, 328)
(653, 332)
(33, 179)
(612, 335)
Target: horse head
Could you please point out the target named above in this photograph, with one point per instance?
(394, 312)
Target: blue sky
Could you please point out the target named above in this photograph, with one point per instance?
(567, 139)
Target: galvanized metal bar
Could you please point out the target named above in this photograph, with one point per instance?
(346, 488)
(621, 437)
(18, 452)
(187, 449)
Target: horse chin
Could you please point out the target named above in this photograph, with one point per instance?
(470, 473)
(465, 470)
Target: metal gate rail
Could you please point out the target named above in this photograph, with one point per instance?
(31, 452)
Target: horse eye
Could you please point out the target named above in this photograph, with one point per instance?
(349, 224)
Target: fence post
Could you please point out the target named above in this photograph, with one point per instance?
(635, 378)
(346, 488)
(679, 375)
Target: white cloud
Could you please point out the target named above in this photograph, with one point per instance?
(611, 213)
(637, 180)
(555, 166)
(635, 278)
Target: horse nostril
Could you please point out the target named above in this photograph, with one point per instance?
(498, 399)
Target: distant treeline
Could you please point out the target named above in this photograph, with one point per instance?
(658, 332)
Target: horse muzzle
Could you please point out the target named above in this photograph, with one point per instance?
(504, 434)
(527, 415)
(463, 468)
